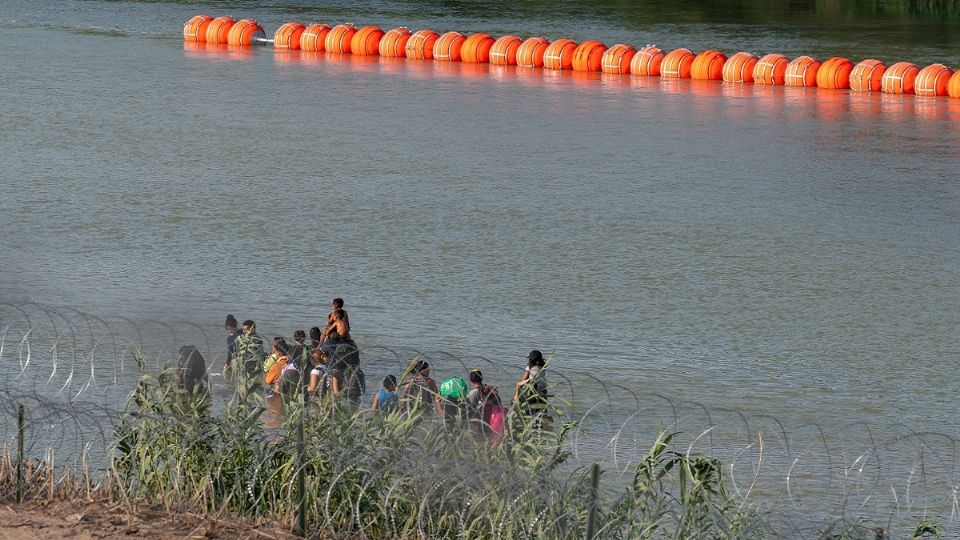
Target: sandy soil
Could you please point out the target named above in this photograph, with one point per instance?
(83, 521)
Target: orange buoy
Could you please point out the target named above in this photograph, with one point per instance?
(244, 31)
(218, 29)
(647, 61)
(867, 76)
(770, 69)
(953, 85)
(835, 73)
(420, 45)
(677, 64)
(588, 56)
(899, 78)
(503, 52)
(314, 37)
(739, 68)
(366, 42)
(339, 38)
(195, 31)
(617, 59)
(448, 47)
(288, 36)
(708, 66)
(559, 54)
(531, 52)
(393, 44)
(932, 80)
(476, 49)
(802, 71)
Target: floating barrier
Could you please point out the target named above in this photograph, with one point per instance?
(476, 49)
(677, 64)
(834, 73)
(393, 44)
(588, 56)
(420, 45)
(287, 37)
(932, 80)
(366, 42)
(708, 66)
(647, 61)
(899, 78)
(771, 69)
(617, 59)
(531, 52)
(870, 75)
(559, 54)
(503, 52)
(739, 68)
(802, 71)
(867, 76)
(448, 46)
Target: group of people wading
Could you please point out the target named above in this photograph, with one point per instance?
(324, 365)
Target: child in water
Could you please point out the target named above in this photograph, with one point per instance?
(386, 398)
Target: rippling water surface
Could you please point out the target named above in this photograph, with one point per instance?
(764, 250)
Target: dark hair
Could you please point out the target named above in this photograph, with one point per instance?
(249, 322)
(535, 358)
(389, 380)
(231, 321)
(281, 345)
(476, 377)
(340, 314)
(315, 334)
(299, 336)
(338, 303)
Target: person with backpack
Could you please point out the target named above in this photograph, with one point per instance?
(347, 380)
(484, 409)
(453, 392)
(420, 392)
(530, 395)
(274, 365)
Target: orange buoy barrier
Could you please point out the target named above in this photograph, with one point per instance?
(647, 61)
(476, 49)
(867, 76)
(339, 38)
(899, 78)
(617, 59)
(739, 68)
(953, 85)
(288, 36)
(588, 56)
(218, 29)
(677, 64)
(393, 44)
(932, 80)
(531, 52)
(559, 54)
(503, 52)
(448, 47)
(835, 73)
(420, 45)
(314, 37)
(366, 42)
(195, 31)
(708, 66)
(770, 69)
(244, 31)
(802, 71)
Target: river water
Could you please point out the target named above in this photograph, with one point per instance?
(755, 250)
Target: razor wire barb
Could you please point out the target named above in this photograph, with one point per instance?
(101, 413)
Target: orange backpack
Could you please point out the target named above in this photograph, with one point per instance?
(275, 370)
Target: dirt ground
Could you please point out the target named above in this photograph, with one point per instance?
(83, 521)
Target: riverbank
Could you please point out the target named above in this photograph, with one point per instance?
(107, 519)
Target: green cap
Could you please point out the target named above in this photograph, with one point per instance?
(453, 388)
